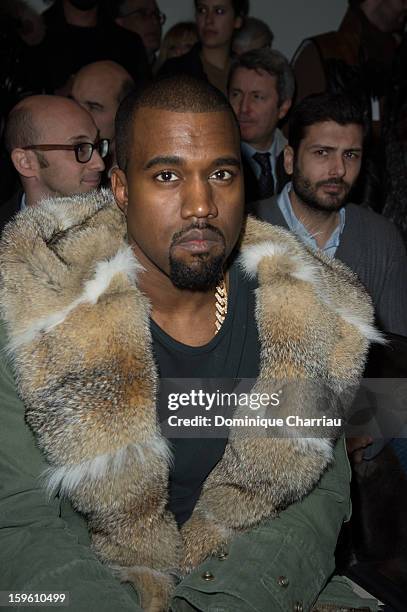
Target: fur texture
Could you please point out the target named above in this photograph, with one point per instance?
(81, 346)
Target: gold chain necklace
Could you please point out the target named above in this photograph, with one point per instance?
(221, 304)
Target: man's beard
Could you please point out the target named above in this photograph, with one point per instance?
(207, 270)
(307, 192)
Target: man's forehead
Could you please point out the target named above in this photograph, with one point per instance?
(162, 124)
(98, 82)
(76, 127)
(215, 3)
(328, 130)
(254, 76)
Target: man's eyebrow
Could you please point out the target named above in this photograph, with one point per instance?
(332, 148)
(227, 161)
(162, 160)
(323, 146)
(175, 160)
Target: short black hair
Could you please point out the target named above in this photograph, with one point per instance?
(176, 93)
(319, 108)
(240, 7)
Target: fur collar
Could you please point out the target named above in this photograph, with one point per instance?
(80, 343)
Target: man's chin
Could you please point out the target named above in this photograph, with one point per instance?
(201, 274)
(330, 202)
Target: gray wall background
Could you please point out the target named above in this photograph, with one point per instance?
(290, 20)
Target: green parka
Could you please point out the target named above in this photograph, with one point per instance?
(284, 565)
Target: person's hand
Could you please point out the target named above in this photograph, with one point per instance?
(356, 447)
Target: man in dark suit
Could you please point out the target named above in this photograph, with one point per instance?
(55, 147)
(261, 87)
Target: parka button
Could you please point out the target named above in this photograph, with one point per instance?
(283, 581)
(208, 576)
(298, 607)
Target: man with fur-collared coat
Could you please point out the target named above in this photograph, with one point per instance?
(100, 304)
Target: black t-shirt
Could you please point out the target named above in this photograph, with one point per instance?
(232, 354)
(66, 48)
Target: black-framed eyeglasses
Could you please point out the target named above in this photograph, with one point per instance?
(83, 150)
(145, 15)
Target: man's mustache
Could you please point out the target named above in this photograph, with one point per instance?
(177, 237)
(333, 181)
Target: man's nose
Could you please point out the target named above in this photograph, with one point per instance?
(198, 200)
(96, 162)
(337, 167)
(244, 105)
(209, 17)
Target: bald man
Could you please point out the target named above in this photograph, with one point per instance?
(99, 88)
(56, 149)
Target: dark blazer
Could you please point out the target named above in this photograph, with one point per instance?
(10, 208)
(251, 183)
(373, 248)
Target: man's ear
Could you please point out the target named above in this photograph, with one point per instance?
(284, 108)
(119, 188)
(288, 159)
(120, 21)
(25, 162)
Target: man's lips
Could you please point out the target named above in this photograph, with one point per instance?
(198, 241)
(333, 187)
(93, 179)
(245, 122)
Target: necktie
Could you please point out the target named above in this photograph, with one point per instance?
(266, 180)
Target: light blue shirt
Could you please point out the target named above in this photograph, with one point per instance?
(279, 142)
(301, 231)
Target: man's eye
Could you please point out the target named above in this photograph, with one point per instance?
(351, 155)
(220, 11)
(222, 175)
(166, 177)
(201, 10)
(321, 153)
(95, 107)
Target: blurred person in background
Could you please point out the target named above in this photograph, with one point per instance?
(359, 59)
(80, 32)
(210, 59)
(99, 88)
(261, 88)
(21, 29)
(254, 34)
(178, 41)
(367, 37)
(145, 19)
